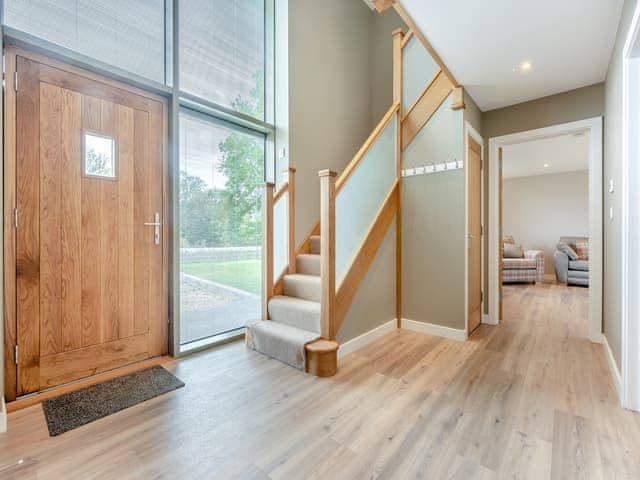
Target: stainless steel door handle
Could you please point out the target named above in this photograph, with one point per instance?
(156, 224)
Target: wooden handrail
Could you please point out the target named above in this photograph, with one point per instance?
(284, 188)
(353, 164)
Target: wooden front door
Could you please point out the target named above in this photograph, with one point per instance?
(89, 185)
(474, 234)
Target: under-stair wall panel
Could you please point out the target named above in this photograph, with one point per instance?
(433, 212)
(374, 304)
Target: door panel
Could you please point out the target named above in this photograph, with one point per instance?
(474, 229)
(89, 273)
(500, 243)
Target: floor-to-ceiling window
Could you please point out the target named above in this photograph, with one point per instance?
(221, 166)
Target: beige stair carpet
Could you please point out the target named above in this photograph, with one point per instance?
(280, 341)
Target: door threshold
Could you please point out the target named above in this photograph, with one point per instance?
(35, 398)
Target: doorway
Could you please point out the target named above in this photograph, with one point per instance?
(592, 128)
(85, 253)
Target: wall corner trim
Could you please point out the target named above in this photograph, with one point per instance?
(366, 338)
(433, 329)
(615, 372)
(3, 416)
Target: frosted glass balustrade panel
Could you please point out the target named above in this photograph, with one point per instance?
(280, 235)
(440, 140)
(362, 196)
(129, 34)
(418, 68)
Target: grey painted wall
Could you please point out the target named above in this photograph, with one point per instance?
(613, 170)
(329, 94)
(538, 210)
(433, 214)
(586, 102)
(382, 25)
(472, 113)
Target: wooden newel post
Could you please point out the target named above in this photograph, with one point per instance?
(328, 253)
(291, 227)
(267, 247)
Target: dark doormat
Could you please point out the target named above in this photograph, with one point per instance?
(78, 408)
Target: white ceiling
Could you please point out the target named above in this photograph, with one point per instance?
(565, 153)
(569, 43)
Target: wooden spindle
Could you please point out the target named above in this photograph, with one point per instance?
(267, 248)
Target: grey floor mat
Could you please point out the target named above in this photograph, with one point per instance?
(78, 408)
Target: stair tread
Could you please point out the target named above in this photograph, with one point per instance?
(280, 341)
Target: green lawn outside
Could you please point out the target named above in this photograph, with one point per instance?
(241, 274)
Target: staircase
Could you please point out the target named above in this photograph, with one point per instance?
(293, 334)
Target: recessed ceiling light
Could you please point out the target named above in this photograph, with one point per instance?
(526, 66)
(546, 165)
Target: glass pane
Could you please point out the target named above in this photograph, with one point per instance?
(99, 155)
(128, 34)
(362, 196)
(222, 52)
(418, 68)
(280, 235)
(220, 202)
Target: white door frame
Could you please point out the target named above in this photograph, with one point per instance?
(630, 326)
(469, 131)
(594, 127)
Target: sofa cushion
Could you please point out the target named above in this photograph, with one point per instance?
(582, 265)
(518, 264)
(570, 252)
(512, 251)
(582, 249)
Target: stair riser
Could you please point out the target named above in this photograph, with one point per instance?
(314, 245)
(302, 315)
(308, 265)
(307, 290)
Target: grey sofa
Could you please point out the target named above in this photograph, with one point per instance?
(571, 272)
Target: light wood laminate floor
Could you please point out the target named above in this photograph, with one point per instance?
(531, 398)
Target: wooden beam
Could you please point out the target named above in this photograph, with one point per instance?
(328, 253)
(457, 100)
(365, 256)
(382, 5)
(418, 33)
(424, 108)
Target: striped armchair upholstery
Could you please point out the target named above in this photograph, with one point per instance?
(529, 269)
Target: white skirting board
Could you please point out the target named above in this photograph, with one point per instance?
(366, 338)
(615, 373)
(437, 330)
(3, 416)
(486, 320)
